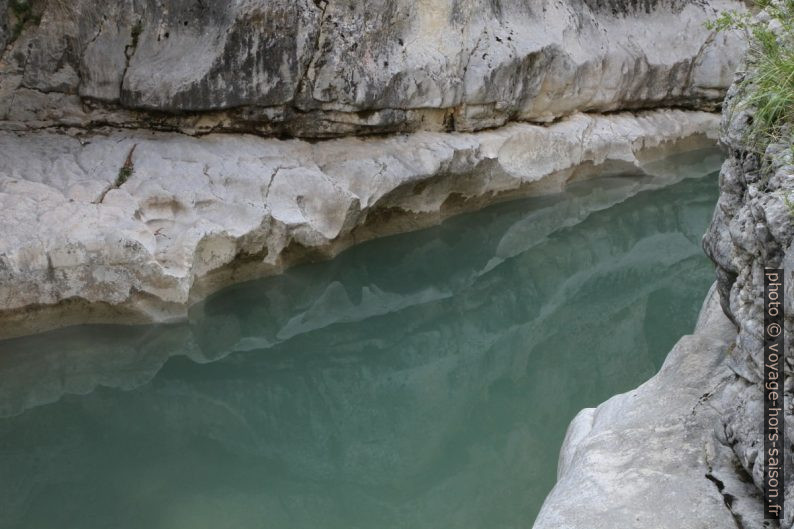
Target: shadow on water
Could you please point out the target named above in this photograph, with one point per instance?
(421, 380)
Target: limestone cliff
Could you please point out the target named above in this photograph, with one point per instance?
(110, 210)
(337, 67)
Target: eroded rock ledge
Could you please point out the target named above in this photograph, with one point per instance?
(115, 234)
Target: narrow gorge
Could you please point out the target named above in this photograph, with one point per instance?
(340, 264)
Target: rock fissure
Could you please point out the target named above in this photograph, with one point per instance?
(300, 86)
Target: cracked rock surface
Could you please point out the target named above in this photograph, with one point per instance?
(325, 68)
(193, 214)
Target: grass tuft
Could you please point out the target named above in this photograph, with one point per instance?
(136, 31)
(126, 170)
(768, 87)
(125, 173)
(788, 203)
(22, 13)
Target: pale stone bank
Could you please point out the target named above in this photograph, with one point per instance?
(153, 152)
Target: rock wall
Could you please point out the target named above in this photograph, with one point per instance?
(338, 67)
(752, 229)
(104, 218)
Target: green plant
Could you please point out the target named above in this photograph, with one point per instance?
(768, 87)
(22, 11)
(126, 170)
(786, 195)
(135, 32)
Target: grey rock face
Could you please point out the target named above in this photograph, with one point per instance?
(752, 229)
(327, 68)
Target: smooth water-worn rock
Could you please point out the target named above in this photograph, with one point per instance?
(324, 68)
(121, 223)
(753, 228)
(648, 458)
(134, 226)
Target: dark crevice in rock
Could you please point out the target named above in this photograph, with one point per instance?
(129, 51)
(174, 122)
(300, 85)
(727, 498)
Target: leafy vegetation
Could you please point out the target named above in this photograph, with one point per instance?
(136, 31)
(768, 88)
(22, 12)
(126, 170)
(788, 203)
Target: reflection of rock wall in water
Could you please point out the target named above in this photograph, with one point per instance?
(355, 379)
(623, 463)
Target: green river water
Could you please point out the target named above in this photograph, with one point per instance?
(423, 380)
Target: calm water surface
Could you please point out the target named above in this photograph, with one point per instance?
(418, 381)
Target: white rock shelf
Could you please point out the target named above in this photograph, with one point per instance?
(199, 213)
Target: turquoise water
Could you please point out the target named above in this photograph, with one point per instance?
(421, 381)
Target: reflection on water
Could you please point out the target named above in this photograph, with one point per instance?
(418, 381)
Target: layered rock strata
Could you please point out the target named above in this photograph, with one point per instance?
(104, 217)
(328, 68)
